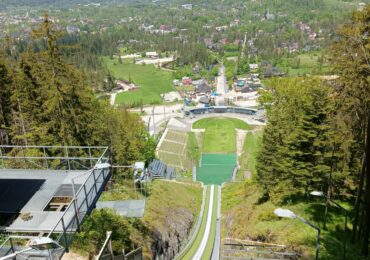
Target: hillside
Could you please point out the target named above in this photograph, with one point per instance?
(170, 212)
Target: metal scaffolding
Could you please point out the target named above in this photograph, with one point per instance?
(89, 166)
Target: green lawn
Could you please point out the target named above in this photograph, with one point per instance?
(247, 160)
(152, 82)
(220, 135)
(308, 64)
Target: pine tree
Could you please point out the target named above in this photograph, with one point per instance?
(5, 90)
(350, 56)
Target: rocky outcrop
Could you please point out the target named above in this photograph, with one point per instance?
(167, 240)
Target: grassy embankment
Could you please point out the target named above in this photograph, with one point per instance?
(152, 82)
(169, 207)
(245, 217)
(219, 136)
(170, 202)
(247, 160)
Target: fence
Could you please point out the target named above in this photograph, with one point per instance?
(83, 202)
(51, 157)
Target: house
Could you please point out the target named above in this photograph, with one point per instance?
(234, 23)
(361, 6)
(187, 6)
(186, 81)
(151, 54)
(124, 85)
(253, 66)
(166, 28)
(203, 87)
(72, 29)
(246, 89)
(221, 28)
(223, 41)
(208, 41)
(240, 83)
(176, 82)
(204, 100)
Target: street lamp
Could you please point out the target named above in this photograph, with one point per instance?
(286, 213)
(321, 194)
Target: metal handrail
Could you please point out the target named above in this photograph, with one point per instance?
(52, 146)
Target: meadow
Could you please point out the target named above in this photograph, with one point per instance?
(220, 136)
(308, 64)
(152, 82)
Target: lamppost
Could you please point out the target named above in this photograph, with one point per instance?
(286, 213)
(321, 194)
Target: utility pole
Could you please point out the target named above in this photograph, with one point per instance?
(153, 119)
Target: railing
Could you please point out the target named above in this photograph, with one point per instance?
(51, 157)
(82, 203)
(86, 197)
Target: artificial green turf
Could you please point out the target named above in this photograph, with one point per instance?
(220, 135)
(216, 168)
(151, 81)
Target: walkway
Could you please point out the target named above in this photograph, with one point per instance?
(222, 87)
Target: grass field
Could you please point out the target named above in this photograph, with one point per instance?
(151, 81)
(220, 135)
(247, 160)
(308, 64)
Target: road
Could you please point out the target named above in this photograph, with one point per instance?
(222, 87)
(203, 245)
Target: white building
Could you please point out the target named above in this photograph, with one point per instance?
(151, 54)
(187, 6)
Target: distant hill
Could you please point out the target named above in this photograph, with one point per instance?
(63, 3)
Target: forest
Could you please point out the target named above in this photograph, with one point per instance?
(318, 133)
(44, 100)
